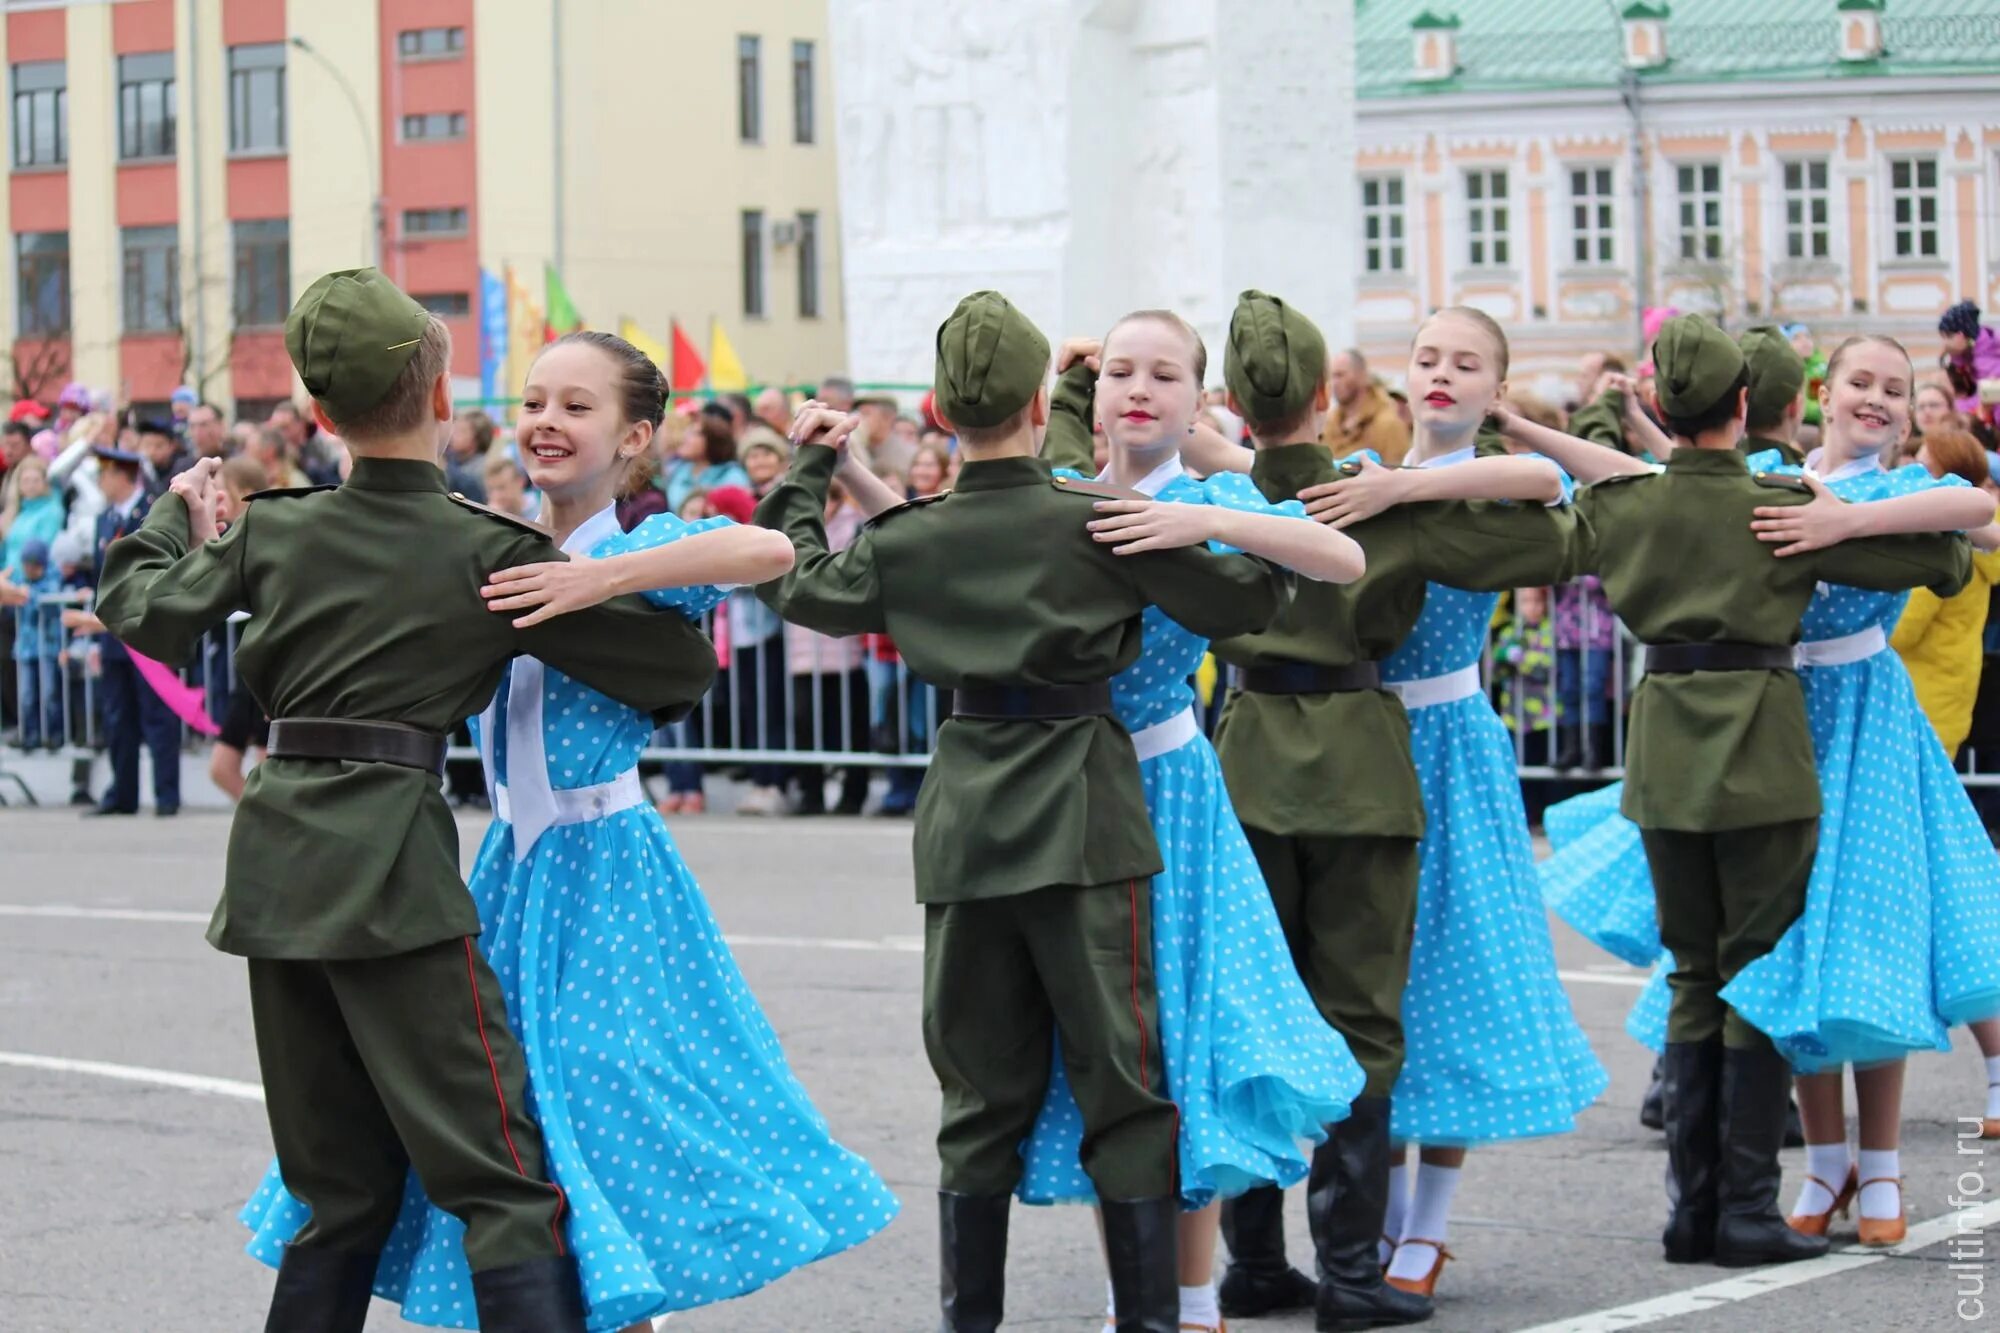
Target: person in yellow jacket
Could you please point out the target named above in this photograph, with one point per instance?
(1940, 640)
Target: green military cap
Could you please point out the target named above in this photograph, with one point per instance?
(350, 336)
(1695, 364)
(1777, 371)
(991, 359)
(1275, 360)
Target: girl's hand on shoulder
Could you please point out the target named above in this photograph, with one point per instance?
(1343, 503)
(1131, 527)
(1825, 521)
(1090, 351)
(548, 589)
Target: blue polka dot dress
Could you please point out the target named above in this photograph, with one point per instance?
(1493, 1049)
(1251, 1064)
(1900, 936)
(695, 1165)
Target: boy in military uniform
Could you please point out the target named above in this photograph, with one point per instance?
(380, 1030)
(1317, 758)
(1719, 768)
(1776, 383)
(1033, 847)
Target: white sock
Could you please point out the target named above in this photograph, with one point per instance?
(1429, 1219)
(1198, 1307)
(1110, 1307)
(1392, 1217)
(1829, 1162)
(1884, 1199)
(1993, 1087)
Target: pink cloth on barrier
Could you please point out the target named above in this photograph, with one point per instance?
(186, 700)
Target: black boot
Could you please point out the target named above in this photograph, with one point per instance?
(321, 1291)
(1258, 1280)
(1598, 747)
(1691, 1078)
(538, 1296)
(1653, 1106)
(1569, 747)
(1142, 1246)
(1751, 1231)
(972, 1243)
(1347, 1198)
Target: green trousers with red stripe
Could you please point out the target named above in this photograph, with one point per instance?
(1001, 977)
(374, 1066)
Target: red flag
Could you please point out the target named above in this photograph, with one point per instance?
(689, 369)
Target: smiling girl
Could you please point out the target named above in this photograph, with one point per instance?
(694, 1165)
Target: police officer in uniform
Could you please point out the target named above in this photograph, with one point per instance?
(133, 711)
(1033, 846)
(381, 1032)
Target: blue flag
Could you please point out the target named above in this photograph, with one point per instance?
(492, 331)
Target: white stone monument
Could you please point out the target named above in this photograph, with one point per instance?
(1090, 157)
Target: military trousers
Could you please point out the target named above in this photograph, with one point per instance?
(1348, 907)
(1004, 976)
(372, 1066)
(1724, 900)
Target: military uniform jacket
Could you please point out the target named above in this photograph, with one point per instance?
(364, 605)
(1000, 583)
(1752, 445)
(1339, 764)
(1716, 750)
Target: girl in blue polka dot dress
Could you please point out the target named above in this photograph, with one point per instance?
(1251, 1064)
(1494, 1051)
(694, 1165)
(1900, 936)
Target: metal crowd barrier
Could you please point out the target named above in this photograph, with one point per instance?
(790, 707)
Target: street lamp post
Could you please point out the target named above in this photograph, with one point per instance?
(1642, 195)
(377, 222)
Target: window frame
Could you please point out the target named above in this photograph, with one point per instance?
(805, 92)
(25, 305)
(260, 300)
(755, 291)
(809, 265)
(457, 126)
(459, 303)
(749, 88)
(1916, 228)
(243, 79)
(1489, 222)
(1391, 218)
(22, 102)
(134, 262)
(412, 52)
(1700, 234)
(463, 229)
(1807, 231)
(1598, 236)
(131, 87)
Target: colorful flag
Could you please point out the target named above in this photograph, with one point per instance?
(688, 368)
(492, 331)
(526, 332)
(632, 333)
(725, 372)
(562, 311)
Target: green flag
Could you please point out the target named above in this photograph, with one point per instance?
(562, 316)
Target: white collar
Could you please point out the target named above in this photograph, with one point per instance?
(1860, 467)
(599, 526)
(1465, 455)
(131, 502)
(1157, 480)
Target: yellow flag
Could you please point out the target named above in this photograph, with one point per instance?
(526, 333)
(655, 351)
(725, 372)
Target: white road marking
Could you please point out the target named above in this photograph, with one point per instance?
(1756, 1282)
(165, 1078)
(106, 914)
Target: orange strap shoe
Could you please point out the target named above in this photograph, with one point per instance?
(1877, 1232)
(1989, 1127)
(1815, 1224)
(1427, 1284)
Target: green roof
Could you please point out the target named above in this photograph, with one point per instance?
(1513, 45)
(1430, 21)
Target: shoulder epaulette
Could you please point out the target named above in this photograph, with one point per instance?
(1347, 467)
(281, 492)
(500, 514)
(1097, 490)
(1620, 477)
(1782, 481)
(905, 507)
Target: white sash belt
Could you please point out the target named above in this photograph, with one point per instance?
(580, 805)
(1843, 650)
(1164, 737)
(1434, 690)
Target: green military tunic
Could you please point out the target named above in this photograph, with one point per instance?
(1601, 421)
(1324, 783)
(381, 1032)
(1033, 844)
(1719, 764)
(1790, 451)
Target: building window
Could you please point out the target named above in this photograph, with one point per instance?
(1699, 186)
(434, 222)
(257, 98)
(41, 114)
(1913, 197)
(263, 273)
(802, 92)
(445, 305)
(152, 279)
(753, 263)
(749, 92)
(1591, 228)
(808, 266)
(435, 126)
(146, 105)
(1806, 210)
(41, 283)
(1382, 224)
(1486, 219)
(430, 43)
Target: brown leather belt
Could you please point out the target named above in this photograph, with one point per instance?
(1679, 658)
(1307, 678)
(1009, 703)
(357, 742)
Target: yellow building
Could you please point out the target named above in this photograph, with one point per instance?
(179, 169)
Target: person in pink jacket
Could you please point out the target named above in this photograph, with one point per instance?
(1971, 355)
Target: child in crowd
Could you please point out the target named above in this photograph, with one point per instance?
(1523, 660)
(830, 704)
(507, 485)
(37, 642)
